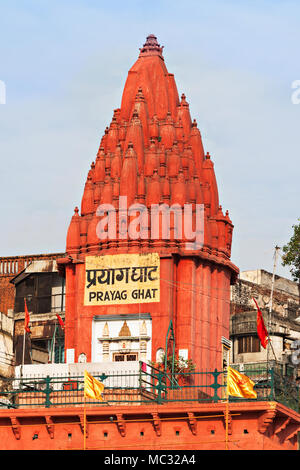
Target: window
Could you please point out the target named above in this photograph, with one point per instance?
(119, 357)
(131, 357)
(248, 344)
(124, 357)
(45, 292)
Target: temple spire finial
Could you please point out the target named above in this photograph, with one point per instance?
(151, 47)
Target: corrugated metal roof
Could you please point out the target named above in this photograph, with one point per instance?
(38, 266)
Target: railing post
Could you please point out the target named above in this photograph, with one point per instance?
(272, 384)
(160, 387)
(215, 386)
(47, 391)
(140, 377)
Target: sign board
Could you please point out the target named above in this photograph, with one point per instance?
(122, 279)
(184, 353)
(70, 356)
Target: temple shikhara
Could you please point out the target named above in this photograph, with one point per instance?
(151, 155)
(123, 340)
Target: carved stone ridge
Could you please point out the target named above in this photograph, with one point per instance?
(192, 423)
(266, 420)
(121, 424)
(156, 423)
(49, 426)
(16, 428)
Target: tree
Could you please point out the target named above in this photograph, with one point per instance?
(291, 255)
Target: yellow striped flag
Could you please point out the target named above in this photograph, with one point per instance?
(92, 387)
(240, 385)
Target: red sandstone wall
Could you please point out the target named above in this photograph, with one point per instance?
(257, 426)
(193, 294)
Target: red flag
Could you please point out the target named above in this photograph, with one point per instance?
(261, 329)
(60, 321)
(27, 318)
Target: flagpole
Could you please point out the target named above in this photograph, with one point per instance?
(23, 353)
(93, 389)
(277, 248)
(227, 406)
(84, 422)
(272, 348)
(53, 345)
(23, 356)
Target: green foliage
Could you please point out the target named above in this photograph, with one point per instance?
(181, 365)
(291, 254)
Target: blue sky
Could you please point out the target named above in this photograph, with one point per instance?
(64, 64)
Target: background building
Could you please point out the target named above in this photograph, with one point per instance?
(36, 278)
(7, 356)
(284, 326)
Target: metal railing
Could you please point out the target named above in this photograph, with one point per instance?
(194, 386)
(149, 385)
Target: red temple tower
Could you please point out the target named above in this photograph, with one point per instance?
(150, 250)
(151, 156)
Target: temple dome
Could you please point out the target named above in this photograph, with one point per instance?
(152, 145)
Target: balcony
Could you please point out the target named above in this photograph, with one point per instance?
(140, 384)
(245, 324)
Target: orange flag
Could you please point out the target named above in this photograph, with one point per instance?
(92, 387)
(261, 329)
(27, 318)
(239, 385)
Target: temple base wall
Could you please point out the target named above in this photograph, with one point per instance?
(177, 426)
